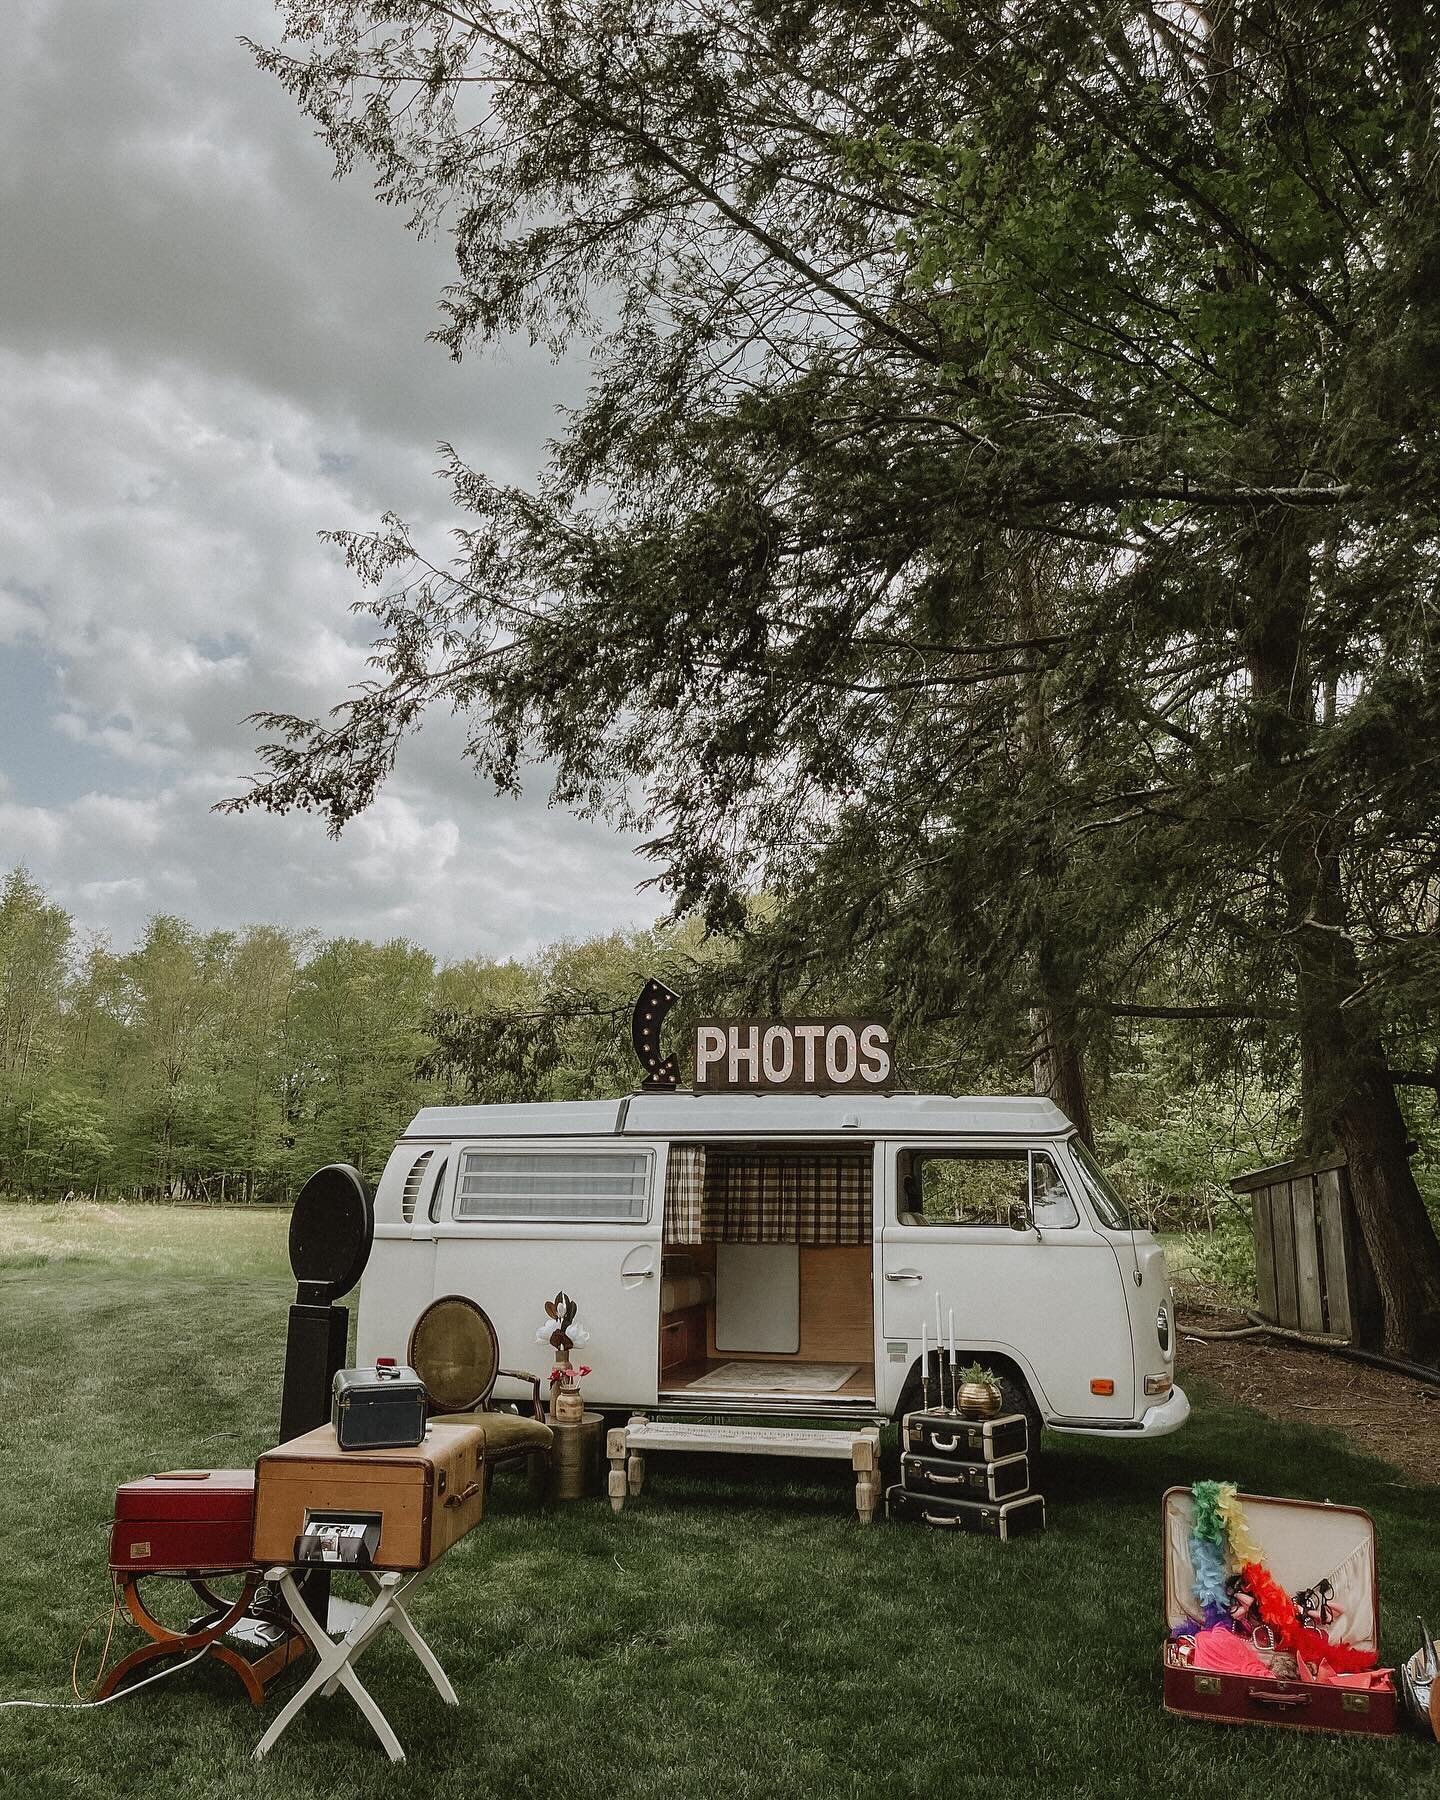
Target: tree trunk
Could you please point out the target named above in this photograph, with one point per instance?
(1057, 1065)
(1350, 1104)
(1059, 1068)
(1348, 1100)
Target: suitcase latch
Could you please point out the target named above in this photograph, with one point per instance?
(1353, 1701)
(1208, 1684)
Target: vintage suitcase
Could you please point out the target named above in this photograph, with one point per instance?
(196, 1519)
(968, 1440)
(1304, 1542)
(952, 1480)
(1003, 1519)
(424, 1497)
(378, 1409)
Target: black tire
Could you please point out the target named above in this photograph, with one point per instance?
(1017, 1398)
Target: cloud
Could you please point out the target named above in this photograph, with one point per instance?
(165, 198)
(492, 885)
(209, 352)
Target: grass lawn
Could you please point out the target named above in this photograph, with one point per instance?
(734, 1633)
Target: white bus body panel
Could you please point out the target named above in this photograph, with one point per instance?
(512, 1267)
(1053, 1301)
(1064, 1304)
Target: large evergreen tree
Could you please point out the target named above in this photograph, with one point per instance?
(1002, 518)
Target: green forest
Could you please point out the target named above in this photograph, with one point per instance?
(225, 1066)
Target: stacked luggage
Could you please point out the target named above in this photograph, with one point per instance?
(962, 1474)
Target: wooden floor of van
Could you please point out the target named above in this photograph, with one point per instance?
(755, 1379)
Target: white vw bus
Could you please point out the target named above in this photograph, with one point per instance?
(779, 1253)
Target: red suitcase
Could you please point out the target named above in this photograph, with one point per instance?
(199, 1519)
(1304, 1542)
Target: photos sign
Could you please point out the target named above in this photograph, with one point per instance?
(821, 1056)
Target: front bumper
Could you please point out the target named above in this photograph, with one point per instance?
(1154, 1422)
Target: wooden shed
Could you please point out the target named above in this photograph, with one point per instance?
(1312, 1270)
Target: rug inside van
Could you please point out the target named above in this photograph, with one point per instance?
(770, 1377)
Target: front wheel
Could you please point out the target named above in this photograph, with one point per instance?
(1017, 1398)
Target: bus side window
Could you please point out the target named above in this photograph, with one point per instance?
(910, 1209)
(437, 1190)
(963, 1188)
(1050, 1204)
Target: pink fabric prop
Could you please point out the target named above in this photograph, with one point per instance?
(1321, 1674)
(1220, 1649)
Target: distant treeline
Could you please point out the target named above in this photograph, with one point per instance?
(227, 1065)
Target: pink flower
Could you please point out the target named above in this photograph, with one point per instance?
(564, 1372)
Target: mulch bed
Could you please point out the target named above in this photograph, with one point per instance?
(1392, 1417)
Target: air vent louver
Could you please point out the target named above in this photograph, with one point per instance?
(412, 1185)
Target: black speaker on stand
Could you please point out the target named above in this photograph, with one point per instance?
(331, 1230)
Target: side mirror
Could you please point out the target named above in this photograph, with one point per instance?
(1020, 1219)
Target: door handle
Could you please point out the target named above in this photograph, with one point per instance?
(903, 1275)
(639, 1274)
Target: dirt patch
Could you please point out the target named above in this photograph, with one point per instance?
(1390, 1416)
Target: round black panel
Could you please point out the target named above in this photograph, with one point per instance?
(331, 1230)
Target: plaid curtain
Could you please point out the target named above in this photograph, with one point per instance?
(684, 1193)
(752, 1199)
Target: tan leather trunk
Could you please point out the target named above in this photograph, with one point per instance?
(427, 1495)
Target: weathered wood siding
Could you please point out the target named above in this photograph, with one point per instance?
(1312, 1273)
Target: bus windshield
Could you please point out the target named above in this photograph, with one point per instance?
(1109, 1207)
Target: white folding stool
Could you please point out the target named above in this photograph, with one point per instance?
(336, 1657)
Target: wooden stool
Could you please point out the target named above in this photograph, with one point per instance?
(575, 1458)
(207, 1634)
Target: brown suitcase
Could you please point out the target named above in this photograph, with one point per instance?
(1303, 1542)
(426, 1496)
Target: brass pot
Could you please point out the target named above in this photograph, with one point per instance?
(979, 1399)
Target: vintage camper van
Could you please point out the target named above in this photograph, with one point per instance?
(779, 1253)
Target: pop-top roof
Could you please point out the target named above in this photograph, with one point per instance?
(687, 1115)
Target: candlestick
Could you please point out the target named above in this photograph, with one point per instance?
(954, 1390)
(924, 1366)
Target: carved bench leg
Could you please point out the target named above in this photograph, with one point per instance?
(865, 1460)
(615, 1452)
(635, 1472)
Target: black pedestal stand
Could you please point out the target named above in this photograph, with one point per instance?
(331, 1230)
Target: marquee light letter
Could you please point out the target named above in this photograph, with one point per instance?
(874, 1054)
(777, 1057)
(841, 1052)
(749, 1054)
(808, 1036)
(709, 1048)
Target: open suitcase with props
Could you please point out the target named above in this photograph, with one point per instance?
(1298, 1578)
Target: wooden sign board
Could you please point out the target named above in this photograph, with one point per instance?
(819, 1056)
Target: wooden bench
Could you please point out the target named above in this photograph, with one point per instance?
(628, 1445)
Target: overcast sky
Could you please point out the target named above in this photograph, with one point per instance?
(209, 352)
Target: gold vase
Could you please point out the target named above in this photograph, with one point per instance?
(979, 1399)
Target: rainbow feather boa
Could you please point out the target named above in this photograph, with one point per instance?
(1222, 1548)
